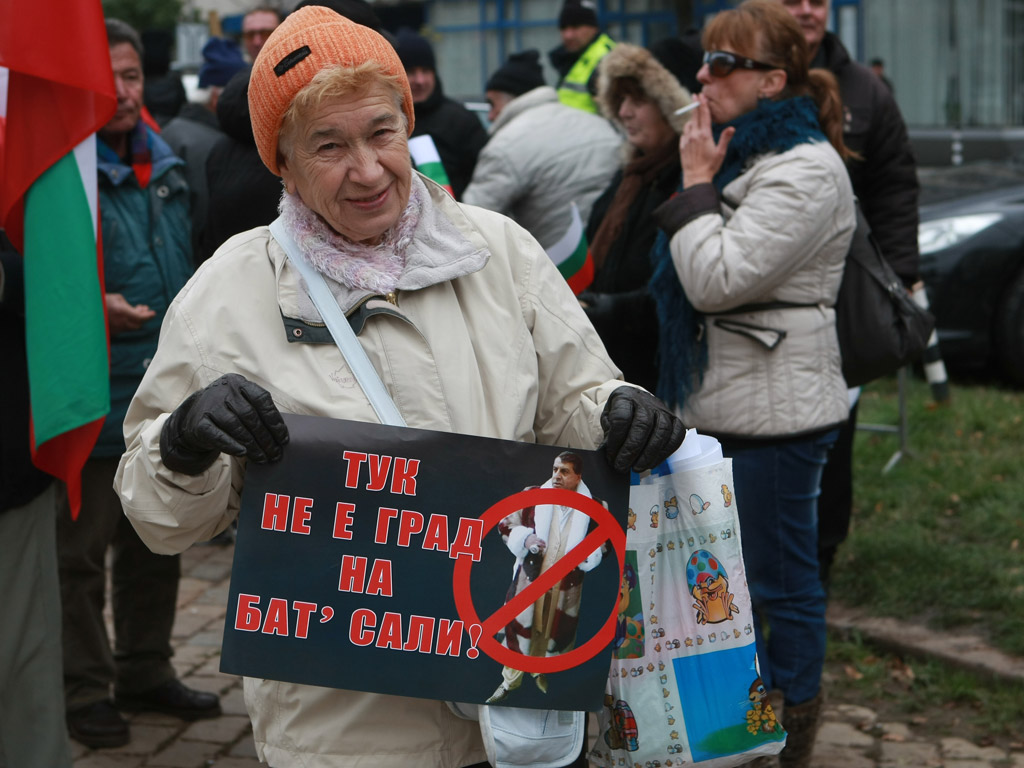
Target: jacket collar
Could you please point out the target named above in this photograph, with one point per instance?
(543, 94)
(117, 171)
(775, 126)
(445, 246)
(432, 102)
(832, 54)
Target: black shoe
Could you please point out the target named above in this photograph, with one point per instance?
(171, 698)
(98, 725)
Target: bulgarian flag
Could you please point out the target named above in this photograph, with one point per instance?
(571, 255)
(56, 91)
(428, 161)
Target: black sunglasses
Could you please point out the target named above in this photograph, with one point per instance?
(723, 63)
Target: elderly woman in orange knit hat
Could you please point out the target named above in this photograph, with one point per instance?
(476, 332)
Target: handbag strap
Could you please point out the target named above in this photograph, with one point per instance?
(353, 352)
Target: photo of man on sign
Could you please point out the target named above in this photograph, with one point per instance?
(539, 536)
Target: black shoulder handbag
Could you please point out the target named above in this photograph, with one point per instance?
(880, 327)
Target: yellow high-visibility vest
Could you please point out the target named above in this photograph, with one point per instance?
(572, 91)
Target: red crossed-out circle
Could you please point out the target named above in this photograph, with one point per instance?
(607, 530)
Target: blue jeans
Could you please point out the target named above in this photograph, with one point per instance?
(776, 487)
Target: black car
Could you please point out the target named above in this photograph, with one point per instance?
(972, 261)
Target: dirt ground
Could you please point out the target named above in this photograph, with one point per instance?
(892, 689)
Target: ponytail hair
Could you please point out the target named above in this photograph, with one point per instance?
(824, 89)
(765, 31)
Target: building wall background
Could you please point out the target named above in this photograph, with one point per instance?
(472, 38)
(954, 63)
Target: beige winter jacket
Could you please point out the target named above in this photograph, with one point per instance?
(485, 339)
(780, 234)
(542, 157)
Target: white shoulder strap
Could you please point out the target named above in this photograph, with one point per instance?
(520, 737)
(353, 352)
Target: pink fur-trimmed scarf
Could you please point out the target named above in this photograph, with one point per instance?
(374, 268)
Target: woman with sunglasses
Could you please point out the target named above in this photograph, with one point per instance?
(746, 277)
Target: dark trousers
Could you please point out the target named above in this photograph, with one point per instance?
(835, 504)
(32, 729)
(777, 484)
(144, 591)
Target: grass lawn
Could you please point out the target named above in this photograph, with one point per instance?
(938, 540)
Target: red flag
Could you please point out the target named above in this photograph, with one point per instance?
(59, 91)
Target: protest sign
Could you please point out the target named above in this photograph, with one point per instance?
(372, 558)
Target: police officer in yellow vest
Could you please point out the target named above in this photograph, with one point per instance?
(576, 59)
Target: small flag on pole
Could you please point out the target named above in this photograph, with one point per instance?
(572, 256)
(428, 161)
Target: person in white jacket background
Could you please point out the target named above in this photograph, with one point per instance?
(745, 288)
(542, 156)
(459, 310)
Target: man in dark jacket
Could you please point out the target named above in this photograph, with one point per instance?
(242, 193)
(194, 131)
(457, 133)
(146, 260)
(885, 181)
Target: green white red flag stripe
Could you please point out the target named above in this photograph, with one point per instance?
(428, 162)
(57, 92)
(571, 255)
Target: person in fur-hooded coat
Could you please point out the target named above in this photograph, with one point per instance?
(639, 94)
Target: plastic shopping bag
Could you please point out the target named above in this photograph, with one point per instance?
(684, 686)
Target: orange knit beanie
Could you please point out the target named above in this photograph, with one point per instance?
(307, 41)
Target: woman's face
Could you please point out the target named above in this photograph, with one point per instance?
(734, 94)
(646, 128)
(349, 162)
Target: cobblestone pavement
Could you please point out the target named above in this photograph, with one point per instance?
(850, 737)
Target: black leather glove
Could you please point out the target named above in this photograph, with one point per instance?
(639, 431)
(232, 415)
(610, 309)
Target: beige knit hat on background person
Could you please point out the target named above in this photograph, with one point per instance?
(307, 41)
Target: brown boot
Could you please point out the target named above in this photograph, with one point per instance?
(801, 724)
(778, 701)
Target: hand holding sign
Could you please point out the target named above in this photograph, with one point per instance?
(232, 415)
(640, 432)
(362, 553)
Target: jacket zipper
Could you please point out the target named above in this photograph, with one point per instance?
(392, 298)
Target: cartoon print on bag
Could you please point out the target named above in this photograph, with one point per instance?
(629, 627)
(709, 585)
(697, 504)
(760, 716)
(671, 508)
(622, 731)
(726, 495)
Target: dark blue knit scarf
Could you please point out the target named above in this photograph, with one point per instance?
(775, 126)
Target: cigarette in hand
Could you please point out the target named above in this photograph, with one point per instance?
(688, 108)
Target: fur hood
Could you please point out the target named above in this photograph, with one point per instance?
(627, 60)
